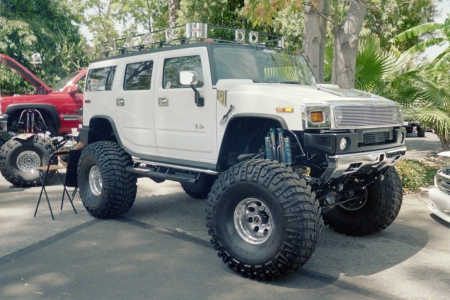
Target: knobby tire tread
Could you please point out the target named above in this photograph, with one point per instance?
(119, 186)
(386, 199)
(300, 211)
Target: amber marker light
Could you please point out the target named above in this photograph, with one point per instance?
(285, 109)
(317, 117)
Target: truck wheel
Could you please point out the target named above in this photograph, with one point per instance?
(19, 160)
(373, 213)
(420, 132)
(107, 190)
(263, 219)
(201, 188)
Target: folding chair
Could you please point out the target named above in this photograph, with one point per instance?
(71, 175)
(43, 175)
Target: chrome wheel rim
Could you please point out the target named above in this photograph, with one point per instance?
(28, 161)
(253, 221)
(95, 181)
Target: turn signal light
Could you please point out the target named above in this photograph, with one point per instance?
(317, 117)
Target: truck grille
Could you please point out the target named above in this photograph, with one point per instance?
(375, 138)
(354, 116)
(443, 180)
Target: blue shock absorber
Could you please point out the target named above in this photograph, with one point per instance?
(273, 144)
(287, 151)
(267, 146)
(280, 146)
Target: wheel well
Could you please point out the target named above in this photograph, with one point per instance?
(52, 124)
(244, 135)
(101, 129)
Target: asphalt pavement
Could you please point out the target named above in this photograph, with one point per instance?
(161, 250)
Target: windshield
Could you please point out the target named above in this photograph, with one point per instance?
(260, 65)
(68, 79)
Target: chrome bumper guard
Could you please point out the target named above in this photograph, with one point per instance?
(340, 165)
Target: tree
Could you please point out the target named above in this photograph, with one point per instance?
(388, 18)
(346, 33)
(46, 27)
(429, 92)
(421, 87)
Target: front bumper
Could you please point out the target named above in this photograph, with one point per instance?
(439, 203)
(339, 165)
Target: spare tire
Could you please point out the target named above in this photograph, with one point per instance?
(19, 160)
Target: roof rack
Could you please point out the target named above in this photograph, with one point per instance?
(189, 33)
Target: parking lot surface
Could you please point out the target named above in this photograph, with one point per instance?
(161, 250)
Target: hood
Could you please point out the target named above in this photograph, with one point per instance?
(26, 74)
(305, 94)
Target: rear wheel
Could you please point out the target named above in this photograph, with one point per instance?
(107, 190)
(19, 160)
(201, 188)
(263, 219)
(372, 212)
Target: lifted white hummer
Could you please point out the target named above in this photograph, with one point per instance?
(245, 125)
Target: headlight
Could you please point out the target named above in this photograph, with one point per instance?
(343, 144)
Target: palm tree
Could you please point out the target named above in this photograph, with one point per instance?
(421, 87)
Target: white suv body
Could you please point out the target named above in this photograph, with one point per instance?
(248, 127)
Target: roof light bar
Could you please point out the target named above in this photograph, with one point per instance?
(189, 33)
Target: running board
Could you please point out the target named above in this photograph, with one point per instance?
(161, 174)
(160, 171)
(171, 166)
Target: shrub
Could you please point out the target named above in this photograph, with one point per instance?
(415, 174)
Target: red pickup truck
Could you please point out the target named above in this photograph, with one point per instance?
(44, 116)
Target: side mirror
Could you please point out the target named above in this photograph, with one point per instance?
(73, 89)
(189, 78)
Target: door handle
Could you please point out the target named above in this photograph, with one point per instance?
(120, 102)
(163, 101)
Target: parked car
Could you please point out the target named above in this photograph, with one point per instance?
(412, 125)
(439, 195)
(50, 112)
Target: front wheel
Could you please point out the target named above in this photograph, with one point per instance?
(371, 214)
(19, 160)
(263, 219)
(107, 190)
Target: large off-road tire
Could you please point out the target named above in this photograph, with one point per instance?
(372, 214)
(19, 160)
(263, 219)
(201, 188)
(107, 190)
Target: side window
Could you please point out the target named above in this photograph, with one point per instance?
(138, 76)
(100, 79)
(172, 66)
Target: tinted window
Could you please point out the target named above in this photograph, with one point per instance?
(138, 76)
(100, 79)
(172, 66)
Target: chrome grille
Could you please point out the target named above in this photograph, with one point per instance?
(442, 180)
(355, 116)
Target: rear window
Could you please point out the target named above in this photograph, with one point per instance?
(100, 79)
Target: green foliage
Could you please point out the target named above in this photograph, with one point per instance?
(387, 18)
(415, 174)
(46, 27)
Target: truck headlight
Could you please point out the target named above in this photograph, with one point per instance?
(343, 144)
